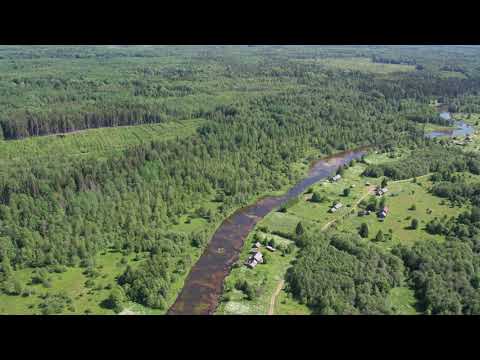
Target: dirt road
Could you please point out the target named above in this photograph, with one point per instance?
(271, 310)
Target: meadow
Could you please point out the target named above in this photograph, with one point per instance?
(86, 298)
(406, 201)
(96, 143)
(360, 64)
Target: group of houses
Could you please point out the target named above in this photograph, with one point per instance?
(336, 207)
(256, 256)
(379, 191)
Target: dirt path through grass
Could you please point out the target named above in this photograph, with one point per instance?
(271, 310)
(369, 192)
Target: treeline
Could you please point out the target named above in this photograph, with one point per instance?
(25, 124)
(424, 160)
(446, 275)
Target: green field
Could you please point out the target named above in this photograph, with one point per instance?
(402, 195)
(363, 65)
(72, 282)
(451, 74)
(402, 301)
(92, 142)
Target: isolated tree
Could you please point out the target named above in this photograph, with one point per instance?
(316, 197)
(379, 237)
(384, 182)
(346, 192)
(363, 230)
(115, 300)
(414, 224)
(299, 230)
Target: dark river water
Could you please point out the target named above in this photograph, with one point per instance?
(204, 284)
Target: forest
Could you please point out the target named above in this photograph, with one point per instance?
(260, 110)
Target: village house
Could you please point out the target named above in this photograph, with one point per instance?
(381, 191)
(336, 207)
(336, 178)
(383, 214)
(270, 248)
(254, 260)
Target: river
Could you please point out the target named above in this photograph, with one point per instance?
(204, 285)
(462, 129)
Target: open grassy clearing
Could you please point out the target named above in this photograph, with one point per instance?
(402, 301)
(400, 199)
(92, 142)
(452, 74)
(435, 127)
(362, 65)
(73, 283)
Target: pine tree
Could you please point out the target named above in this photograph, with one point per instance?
(364, 230)
(299, 230)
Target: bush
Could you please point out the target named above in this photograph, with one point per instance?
(414, 224)
(115, 300)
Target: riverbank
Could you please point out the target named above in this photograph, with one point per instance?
(204, 284)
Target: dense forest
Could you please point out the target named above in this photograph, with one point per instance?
(264, 108)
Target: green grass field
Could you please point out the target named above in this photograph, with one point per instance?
(435, 127)
(72, 282)
(401, 301)
(362, 65)
(452, 74)
(401, 197)
(92, 142)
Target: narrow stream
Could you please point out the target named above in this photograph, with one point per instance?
(204, 284)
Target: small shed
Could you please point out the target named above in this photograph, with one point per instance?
(270, 248)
